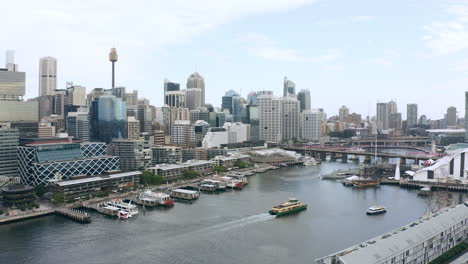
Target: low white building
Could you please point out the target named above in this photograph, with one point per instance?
(452, 168)
(215, 137)
(237, 132)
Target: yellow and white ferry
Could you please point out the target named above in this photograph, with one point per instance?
(289, 207)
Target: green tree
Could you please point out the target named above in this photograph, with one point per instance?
(219, 168)
(241, 164)
(59, 197)
(40, 190)
(190, 174)
(145, 177)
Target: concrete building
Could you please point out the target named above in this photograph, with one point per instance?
(193, 98)
(132, 98)
(412, 114)
(46, 130)
(197, 81)
(202, 153)
(237, 132)
(419, 242)
(382, 116)
(253, 119)
(304, 98)
(290, 109)
(158, 137)
(270, 117)
(47, 76)
(344, 114)
(289, 88)
(9, 141)
(451, 117)
(183, 134)
(41, 162)
(215, 138)
(166, 154)
(78, 125)
(395, 120)
(130, 153)
(311, 125)
(133, 126)
(171, 172)
(173, 96)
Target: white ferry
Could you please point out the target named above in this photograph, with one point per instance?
(208, 187)
(185, 194)
(118, 203)
(219, 185)
(152, 199)
(374, 210)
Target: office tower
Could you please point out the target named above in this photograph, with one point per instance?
(173, 96)
(289, 88)
(200, 114)
(451, 116)
(9, 141)
(382, 116)
(466, 117)
(131, 98)
(395, 120)
(392, 107)
(78, 125)
(197, 81)
(232, 101)
(75, 95)
(344, 114)
(158, 137)
(193, 98)
(311, 124)
(113, 57)
(270, 118)
(304, 98)
(220, 119)
(10, 61)
(290, 109)
(130, 153)
(145, 116)
(254, 122)
(411, 115)
(41, 162)
(108, 119)
(252, 98)
(46, 130)
(183, 134)
(133, 128)
(59, 102)
(20, 114)
(200, 128)
(47, 76)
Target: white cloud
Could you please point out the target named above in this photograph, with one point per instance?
(80, 33)
(449, 36)
(386, 59)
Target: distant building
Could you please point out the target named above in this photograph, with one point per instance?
(197, 81)
(46, 130)
(344, 114)
(412, 115)
(158, 137)
(395, 120)
(290, 109)
(166, 154)
(47, 76)
(183, 134)
(232, 101)
(451, 116)
(382, 116)
(193, 98)
(270, 118)
(304, 98)
(108, 118)
(253, 119)
(237, 132)
(133, 126)
(289, 88)
(171, 172)
(311, 124)
(215, 138)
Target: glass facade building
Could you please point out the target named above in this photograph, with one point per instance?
(9, 140)
(108, 119)
(39, 163)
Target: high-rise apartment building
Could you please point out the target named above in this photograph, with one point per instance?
(253, 118)
(289, 88)
(47, 76)
(183, 134)
(197, 81)
(130, 153)
(392, 107)
(382, 116)
(311, 125)
(270, 117)
(344, 114)
(133, 126)
(304, 98)
(411, 115)
(290, 111)
(395, 120)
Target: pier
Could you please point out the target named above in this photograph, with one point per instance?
(74, 214)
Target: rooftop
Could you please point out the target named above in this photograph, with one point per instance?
(97, 178)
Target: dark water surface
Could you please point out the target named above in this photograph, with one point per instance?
(231, 227)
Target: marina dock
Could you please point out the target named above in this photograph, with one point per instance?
(74, 214)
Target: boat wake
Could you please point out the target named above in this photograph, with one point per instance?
(242, 222)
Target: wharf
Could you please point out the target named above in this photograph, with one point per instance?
(16, 218)
(74, 214)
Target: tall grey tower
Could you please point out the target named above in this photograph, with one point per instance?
(304, 98)
(113, 57)
(411, 115)
(10, 61)
(289, 88)
(197, 81)
(47, 76)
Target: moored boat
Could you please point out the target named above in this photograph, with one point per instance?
(153, 199)
(123, 214)
(366, 183)
(185, 194)
(374, 210)
(120, 204)
(289, 207)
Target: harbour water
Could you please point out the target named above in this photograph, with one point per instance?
(230, 227)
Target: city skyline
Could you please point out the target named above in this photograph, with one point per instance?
(377, 67)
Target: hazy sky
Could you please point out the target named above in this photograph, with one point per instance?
(346, 52)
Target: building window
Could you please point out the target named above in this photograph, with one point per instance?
(451, 166)
(430, 174)
(462, 164)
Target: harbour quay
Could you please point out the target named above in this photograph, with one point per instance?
(418, 242)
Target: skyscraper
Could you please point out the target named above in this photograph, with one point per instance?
(411, 115)
(197, 81)
(10, 61)
(193, 98)
(289, 88)
(108, 118)
(47, 76)
(311, 124)
(392, 107)
(173, 96)
(231, 101)
(290, 109)
(382, 116)
(304, 98)
(344, 114)
(451, 116)
(270, 117)
(78, 125)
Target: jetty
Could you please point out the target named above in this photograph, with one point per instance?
(74, 214)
